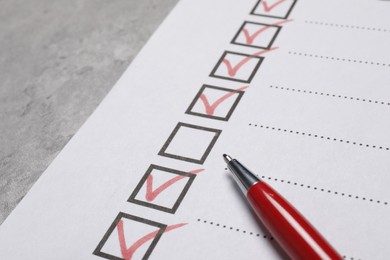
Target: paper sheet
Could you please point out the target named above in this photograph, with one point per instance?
(297, 90)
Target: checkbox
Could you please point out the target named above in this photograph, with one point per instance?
(191, 143)
(215, 102)
(237, 67)
(129, 237)
(257, 35)
(274, 8)
(162, 188)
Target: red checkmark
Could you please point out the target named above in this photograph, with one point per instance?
(233, 70)
(268, 8)
(152, 194)
(210, 108)
(250, 38)
(128, 252)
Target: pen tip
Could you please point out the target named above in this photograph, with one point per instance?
(227, 158)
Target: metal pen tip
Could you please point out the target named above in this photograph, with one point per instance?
(227, 158)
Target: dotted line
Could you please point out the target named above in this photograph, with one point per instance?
(332, 95)
(321, 189)
(321, 137)
(234, 229)
(244, 231)
(325, 190)
(351, 258)
(347, 26)
(339, 59)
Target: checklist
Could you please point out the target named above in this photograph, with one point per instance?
(298, 90)
(237, 67)
(162, 188)
(131, 237)
(257, 35)
(216, 102)
(274, 8)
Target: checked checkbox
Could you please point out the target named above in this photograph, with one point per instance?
(163, 188)
(215, 102)
(258, 35)
(181, 145)
(131, 237)
(237, 66)
(274, 8)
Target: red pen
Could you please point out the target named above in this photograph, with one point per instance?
(297, 237)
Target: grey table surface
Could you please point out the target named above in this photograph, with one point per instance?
(58, 59)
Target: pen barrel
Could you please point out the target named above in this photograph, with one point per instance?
(298, 238)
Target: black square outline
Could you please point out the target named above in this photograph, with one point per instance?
(226, 118)
(285, 17)
(108, 233)
(278, 28)
(182, 158)
(191, 178)
(212, 74)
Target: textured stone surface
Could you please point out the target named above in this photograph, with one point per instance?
(58, 60)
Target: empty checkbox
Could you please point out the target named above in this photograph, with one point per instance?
(191, 143)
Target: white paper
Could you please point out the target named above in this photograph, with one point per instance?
(297, 90)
